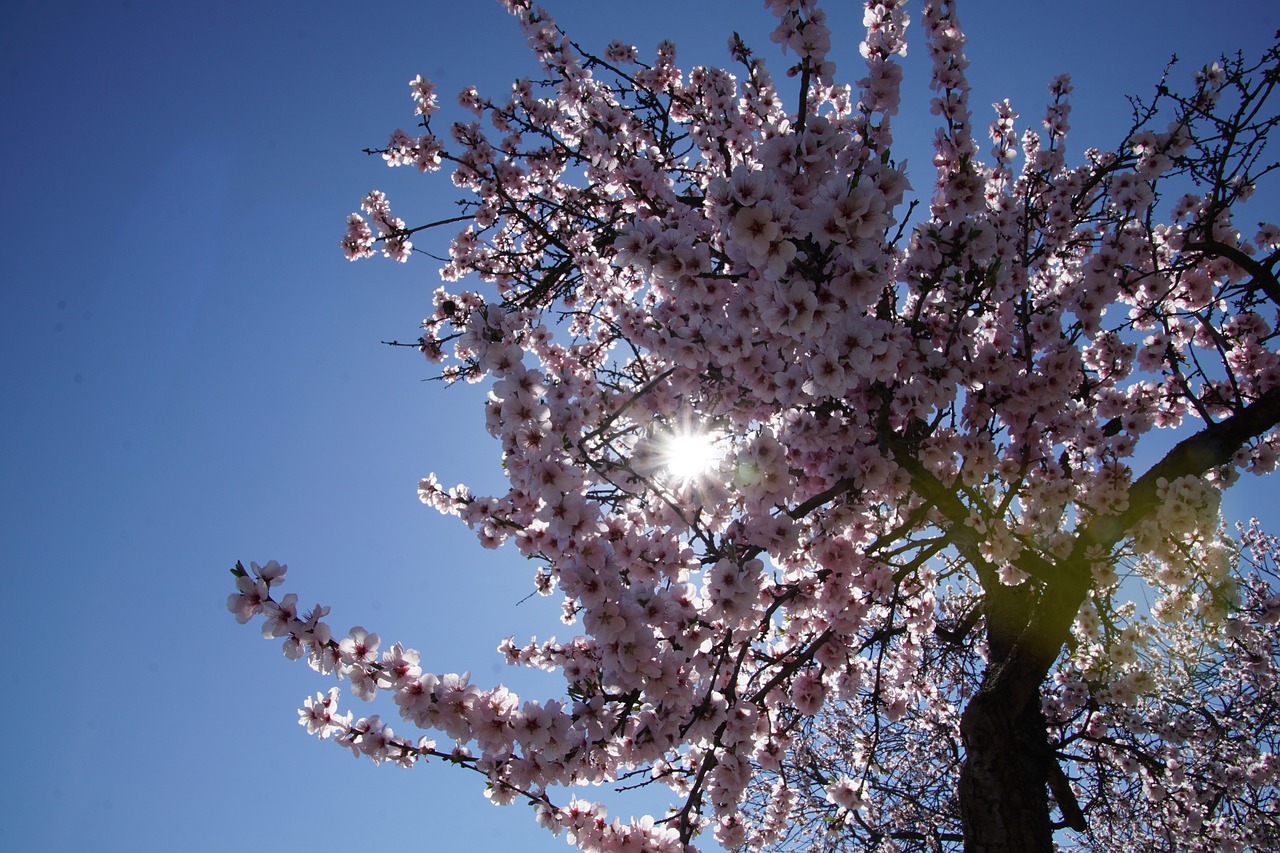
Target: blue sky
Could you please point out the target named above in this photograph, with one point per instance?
(193, 376)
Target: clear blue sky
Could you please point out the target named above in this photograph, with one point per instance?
(192, 376)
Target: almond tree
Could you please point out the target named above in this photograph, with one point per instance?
(889, 604)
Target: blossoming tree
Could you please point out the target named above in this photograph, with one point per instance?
(888, 604)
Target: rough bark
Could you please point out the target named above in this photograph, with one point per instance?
(1003, 782)
(1003, 790)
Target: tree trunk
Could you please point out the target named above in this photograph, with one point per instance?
(1004, 801)
(1004, 780)
(1004, 797)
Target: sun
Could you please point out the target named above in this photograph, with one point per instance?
(688, 454)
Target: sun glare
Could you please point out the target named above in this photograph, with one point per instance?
(688, 455)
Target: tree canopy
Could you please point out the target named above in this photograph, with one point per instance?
(837, 473)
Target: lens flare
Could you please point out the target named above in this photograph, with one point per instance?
(688, 455)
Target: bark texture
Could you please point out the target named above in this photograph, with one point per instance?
(1003, 782)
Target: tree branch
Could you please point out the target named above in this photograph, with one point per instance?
(1263, 278)
(1212, 446)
